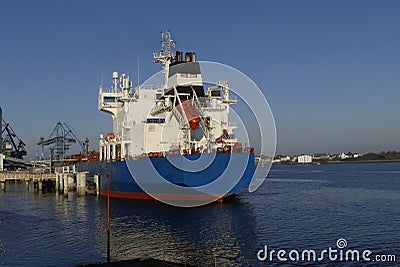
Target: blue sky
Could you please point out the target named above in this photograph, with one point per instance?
(329, 69)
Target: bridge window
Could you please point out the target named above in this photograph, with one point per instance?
(109, 99)
(155, 120)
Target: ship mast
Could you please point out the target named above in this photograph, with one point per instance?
(165, 56)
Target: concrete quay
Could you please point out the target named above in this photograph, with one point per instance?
(64, 180)
(38, 179)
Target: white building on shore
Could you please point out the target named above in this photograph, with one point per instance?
(304, 159)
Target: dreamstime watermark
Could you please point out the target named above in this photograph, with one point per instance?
(338, 253)
(253, 119)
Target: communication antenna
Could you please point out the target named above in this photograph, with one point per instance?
(138, 71)
(165, 56)
(102, 75)
(168, 43)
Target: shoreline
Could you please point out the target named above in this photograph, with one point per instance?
(363, 161)
(341, 162)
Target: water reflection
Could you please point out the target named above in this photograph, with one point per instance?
(148, 229)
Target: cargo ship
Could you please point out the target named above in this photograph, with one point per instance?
(172, 142)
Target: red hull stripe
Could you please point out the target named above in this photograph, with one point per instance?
(144, 196)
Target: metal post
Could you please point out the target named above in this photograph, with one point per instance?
(40, 185)
(97, 182)
(78, 184)
(114, 152)
(108, 219)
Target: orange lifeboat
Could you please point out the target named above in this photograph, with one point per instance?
(191, 113)
(110, 136)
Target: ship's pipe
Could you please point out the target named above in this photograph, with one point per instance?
(178, 56)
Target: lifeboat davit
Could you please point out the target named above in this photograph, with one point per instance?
(191, 113)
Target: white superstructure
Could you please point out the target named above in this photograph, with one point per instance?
(179, 117)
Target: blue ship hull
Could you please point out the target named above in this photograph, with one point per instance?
(235, 170)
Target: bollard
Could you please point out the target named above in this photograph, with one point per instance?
(3, 186)
(27, 185)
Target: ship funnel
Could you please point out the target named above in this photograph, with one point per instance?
(188, 57)
(178, 56)
(194, 57)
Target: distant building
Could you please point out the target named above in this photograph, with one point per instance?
(285, 158)
(357, 155)
(321, 156)
(304, 159)
(280, 158)
(334, 157)
(343, 156)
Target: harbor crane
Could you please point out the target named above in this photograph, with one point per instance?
(58, 143)
(11, 144)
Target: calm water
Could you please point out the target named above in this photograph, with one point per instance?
(297, 207)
